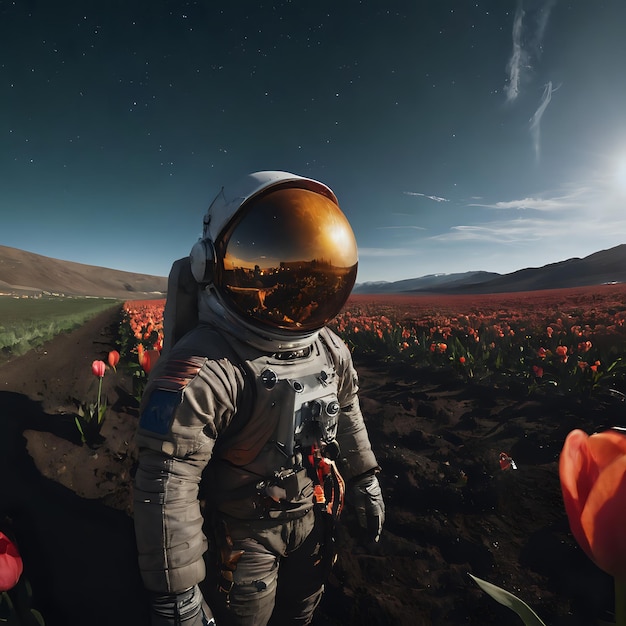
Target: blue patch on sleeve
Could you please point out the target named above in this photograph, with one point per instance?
(158, 415)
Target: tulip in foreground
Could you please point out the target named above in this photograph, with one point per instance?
(98, 368)
(11, 565)
(90, 417)
(592, 470)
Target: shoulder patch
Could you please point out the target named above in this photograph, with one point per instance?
(178, 373)
(158, 414)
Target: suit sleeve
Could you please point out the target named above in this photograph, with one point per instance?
(356, 455)
(186, 405)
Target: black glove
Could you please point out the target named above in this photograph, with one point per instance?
(367, 499)
(186, 608)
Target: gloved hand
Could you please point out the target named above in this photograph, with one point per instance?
(367, 499)
(186, 608)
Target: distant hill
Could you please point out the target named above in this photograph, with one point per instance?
(425, 283)
(26, 273)
(606, 266)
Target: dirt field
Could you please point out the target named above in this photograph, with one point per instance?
(451, 509)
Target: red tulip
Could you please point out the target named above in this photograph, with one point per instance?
(98, 368)
(593, 481)
(150, 357)
(561, 352)
(11, 565)
(114, 358)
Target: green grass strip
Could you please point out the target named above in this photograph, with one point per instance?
(26, 323)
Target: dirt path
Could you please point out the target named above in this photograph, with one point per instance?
(75, 537)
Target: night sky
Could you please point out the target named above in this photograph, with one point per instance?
(458, 135)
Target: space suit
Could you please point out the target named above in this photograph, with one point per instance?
(250, 429)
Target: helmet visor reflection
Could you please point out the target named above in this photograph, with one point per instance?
(288, 261)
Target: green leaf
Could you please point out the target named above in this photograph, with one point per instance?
(102, 411)
(80, 429)
(613, 365)
(529, 617)
(37, 617)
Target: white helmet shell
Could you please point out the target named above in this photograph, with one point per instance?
(227, 203)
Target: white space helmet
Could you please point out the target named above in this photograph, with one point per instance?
(277, 257)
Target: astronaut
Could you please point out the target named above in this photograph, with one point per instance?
(250, 429)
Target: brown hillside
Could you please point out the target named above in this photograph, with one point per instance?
(25, 272)
(603, 267)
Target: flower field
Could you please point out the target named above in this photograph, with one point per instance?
(564, 341)
(569, 340)
(142, 325)
(141, 339)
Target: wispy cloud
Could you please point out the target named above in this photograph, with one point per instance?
(400, 228)
(539, 235)
(518, 56)
(575, 199)
(529, 28)
(578, 214)
(542, 22)
(423, 195)
(535, 120)
(501, 232)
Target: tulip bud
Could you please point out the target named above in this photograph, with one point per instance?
(98, 368)
(114, 358)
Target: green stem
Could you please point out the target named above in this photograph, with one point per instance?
(99, 390)
(620, 602)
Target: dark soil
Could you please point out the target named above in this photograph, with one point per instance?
(451, 510)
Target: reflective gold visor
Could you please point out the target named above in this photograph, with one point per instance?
(288, 260)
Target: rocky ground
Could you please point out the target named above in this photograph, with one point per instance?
(451, 509)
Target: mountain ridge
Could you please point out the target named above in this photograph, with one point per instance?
(28, 273)
(604, 266)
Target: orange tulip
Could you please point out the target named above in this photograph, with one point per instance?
(114, 358)
(11, 566)
(561, 352)
(593, 481)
